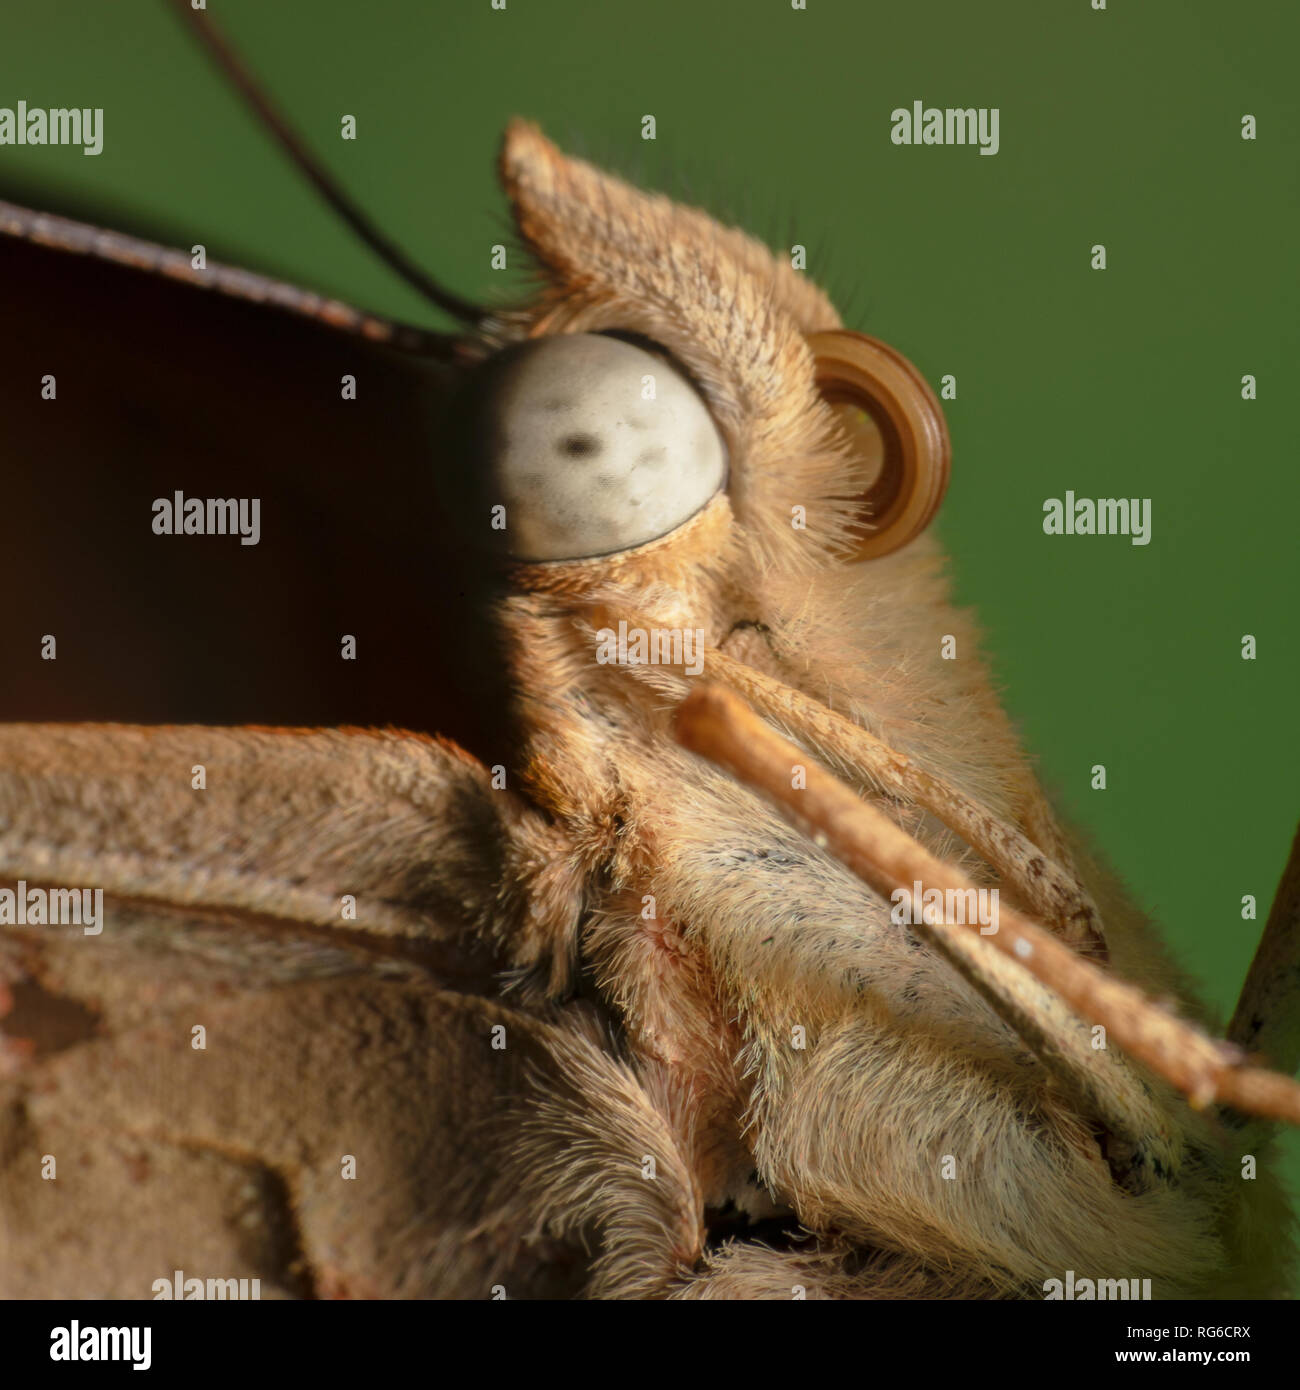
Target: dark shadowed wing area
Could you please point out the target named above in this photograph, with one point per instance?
(161, 388)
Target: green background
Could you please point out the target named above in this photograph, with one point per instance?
(1120, 127)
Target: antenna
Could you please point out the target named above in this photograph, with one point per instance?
(228, 61)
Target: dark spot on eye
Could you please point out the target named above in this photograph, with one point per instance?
(578, 446)
(655, 454)
(556, 404)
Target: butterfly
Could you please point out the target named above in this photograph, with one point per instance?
(485, 984)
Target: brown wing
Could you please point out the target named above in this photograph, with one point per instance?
(333, 1127)
(162, 387)
(84, 239)
(324, 911)
(340, 1130)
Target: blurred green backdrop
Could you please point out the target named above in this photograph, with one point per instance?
(1120, 127)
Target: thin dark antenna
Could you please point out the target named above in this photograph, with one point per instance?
(225, 57)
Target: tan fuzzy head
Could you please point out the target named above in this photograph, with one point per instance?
(915, 1047)
(723, 305)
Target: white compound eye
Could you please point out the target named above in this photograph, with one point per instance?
(593, 446)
